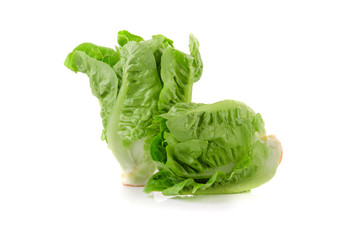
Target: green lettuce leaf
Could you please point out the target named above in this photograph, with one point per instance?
(195, 53)
(103, 54)
(103, 81)
(179, 71)
(124, 37)
(157, 45)
(132, 116)
(177, 76)
(212, 149)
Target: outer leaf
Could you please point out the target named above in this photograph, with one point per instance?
(164, 39)
(259, 166)
(195, 53)
(103, 81)
(179, 71)
(103, 54)
(216, 122)
(157, 45)
(177, 110)
(124, 37)
(134, 110)
(178, 77)
(161, 181)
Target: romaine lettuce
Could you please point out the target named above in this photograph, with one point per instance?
(144, 89)
(212, 149)
(134, 83)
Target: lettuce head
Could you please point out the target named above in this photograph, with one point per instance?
(212, 149)
(135, 82)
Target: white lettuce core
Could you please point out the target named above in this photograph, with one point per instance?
(135, 162)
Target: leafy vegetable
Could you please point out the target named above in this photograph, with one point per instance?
(134, 83)
(144, 90)
(133, 112)
(212, 149)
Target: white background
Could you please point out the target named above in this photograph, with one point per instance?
(295, 62)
